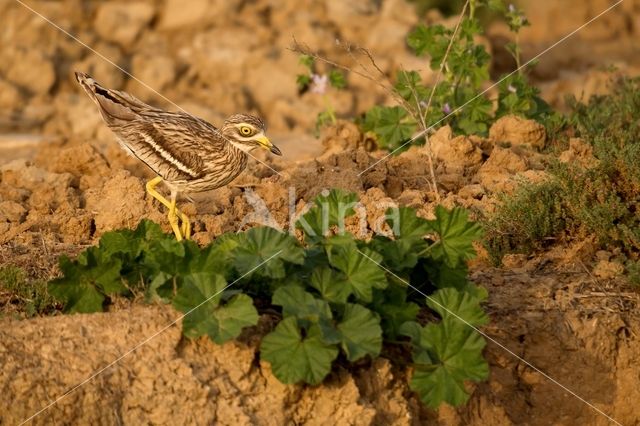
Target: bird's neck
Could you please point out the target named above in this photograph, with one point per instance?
(242, 147)
(238, 156)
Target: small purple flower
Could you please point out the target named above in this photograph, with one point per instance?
(319, 83)
(512, 89)
(512, 8)
(446, 108)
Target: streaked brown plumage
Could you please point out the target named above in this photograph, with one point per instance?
(188, 153)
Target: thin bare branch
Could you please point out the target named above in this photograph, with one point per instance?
(384, 83)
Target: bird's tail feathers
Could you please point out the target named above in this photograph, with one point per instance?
(113, 104)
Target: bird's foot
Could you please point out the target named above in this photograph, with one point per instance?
(173, 221)
(186, 225)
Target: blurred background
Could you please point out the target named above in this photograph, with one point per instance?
(218, 57)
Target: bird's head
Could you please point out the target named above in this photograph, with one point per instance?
(246, 132)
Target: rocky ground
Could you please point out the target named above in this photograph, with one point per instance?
(64, 182)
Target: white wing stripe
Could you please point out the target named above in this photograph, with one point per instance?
(171, 159)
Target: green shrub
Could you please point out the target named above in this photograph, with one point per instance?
(458, 97)
(334, 294)
(600, 201)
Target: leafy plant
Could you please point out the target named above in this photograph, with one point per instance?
(24, 296)
(335, 295)
(318, 83)
(598, 199)
(458, 98)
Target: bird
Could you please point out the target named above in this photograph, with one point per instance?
(187, 153)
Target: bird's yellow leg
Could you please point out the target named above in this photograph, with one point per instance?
(174, 213)
(173, 217)
(186, 225)
(151, 189)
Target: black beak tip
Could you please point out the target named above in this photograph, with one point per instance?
(274, 149)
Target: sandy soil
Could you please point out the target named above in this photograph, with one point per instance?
(64, 182)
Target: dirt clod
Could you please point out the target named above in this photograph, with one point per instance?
(518, 131)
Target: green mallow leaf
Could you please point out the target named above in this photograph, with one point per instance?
(306, 61)
(301, 304)
(393, 308)
(395, 315)
(409, 230)
(120, 242)
(392, 126)
(296, 358)
(265, 250)
(200, 299)
(328, 210)
(456, 235)
(406, 224)
(452, 304)
(149, 231)
(445, 355)
(360, 332)
(131, 242)
(303, 81)
(400, 254)
(337, 79)
(408, 86)
(232, 317)
(360, 267)
(442, 275)
(432, 40)
(86, 281)
(308, 310)
(160, 288)
(331, 284)
(167, 256)
(217, 257)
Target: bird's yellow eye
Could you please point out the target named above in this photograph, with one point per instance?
(245, 130)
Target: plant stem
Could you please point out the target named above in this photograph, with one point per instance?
(517, 53)
(329, 108)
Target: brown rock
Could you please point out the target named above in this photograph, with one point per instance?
(31, 70)
(12, 212)
(502, 164)
(272, 79)
(579, 152)
(344, 135)
(155, 71)
(284, 114)
(9, 95)
(216, 58)
(78, 160)
(516, 130)
(122, 22)
(348, 13)
(456, 153)
(605, 269)
(177, 15)
(472, 191)
(412, 198)
(119, 203)
(101, 70)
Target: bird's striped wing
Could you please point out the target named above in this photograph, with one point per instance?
(166, 150)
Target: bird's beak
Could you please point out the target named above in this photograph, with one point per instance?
(266, 144)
